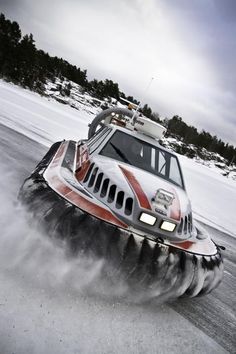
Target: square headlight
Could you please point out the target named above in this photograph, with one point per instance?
(147, 219)
(168, 226)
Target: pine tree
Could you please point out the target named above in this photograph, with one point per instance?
(10, 35)
(26, 61)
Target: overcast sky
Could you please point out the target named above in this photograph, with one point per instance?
(188, 46)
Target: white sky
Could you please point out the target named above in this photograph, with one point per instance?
(187, 46)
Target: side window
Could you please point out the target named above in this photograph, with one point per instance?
(147, 154)
(161, 163)
(174, 171)
(153, 154)
(96, 140)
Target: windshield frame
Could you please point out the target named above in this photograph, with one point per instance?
(124, 159)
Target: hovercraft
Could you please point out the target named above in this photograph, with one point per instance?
(121, 196)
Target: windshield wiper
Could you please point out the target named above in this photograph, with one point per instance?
(121, 154)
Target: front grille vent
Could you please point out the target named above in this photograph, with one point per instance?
(120, 199)
(98, 182)
(129, 206)
(186, 224)
(112, 193)
(180, 228)
(92, 178)
(88, 173)
(103, 188)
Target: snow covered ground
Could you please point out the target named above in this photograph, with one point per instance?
(212, 195)
(46, 121)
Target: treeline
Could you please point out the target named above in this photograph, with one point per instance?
(22, 63)
(189, 135)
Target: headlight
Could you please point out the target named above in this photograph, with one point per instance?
(168, 226)
(147, 219)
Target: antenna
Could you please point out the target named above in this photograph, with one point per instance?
(137, 108)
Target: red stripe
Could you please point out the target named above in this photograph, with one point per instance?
(185, 244)
(60, 188)
(142, 198)
(175, 212)
(83, 203)
(94, 209)
(83, 170)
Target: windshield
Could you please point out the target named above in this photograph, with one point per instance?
(138, 153)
